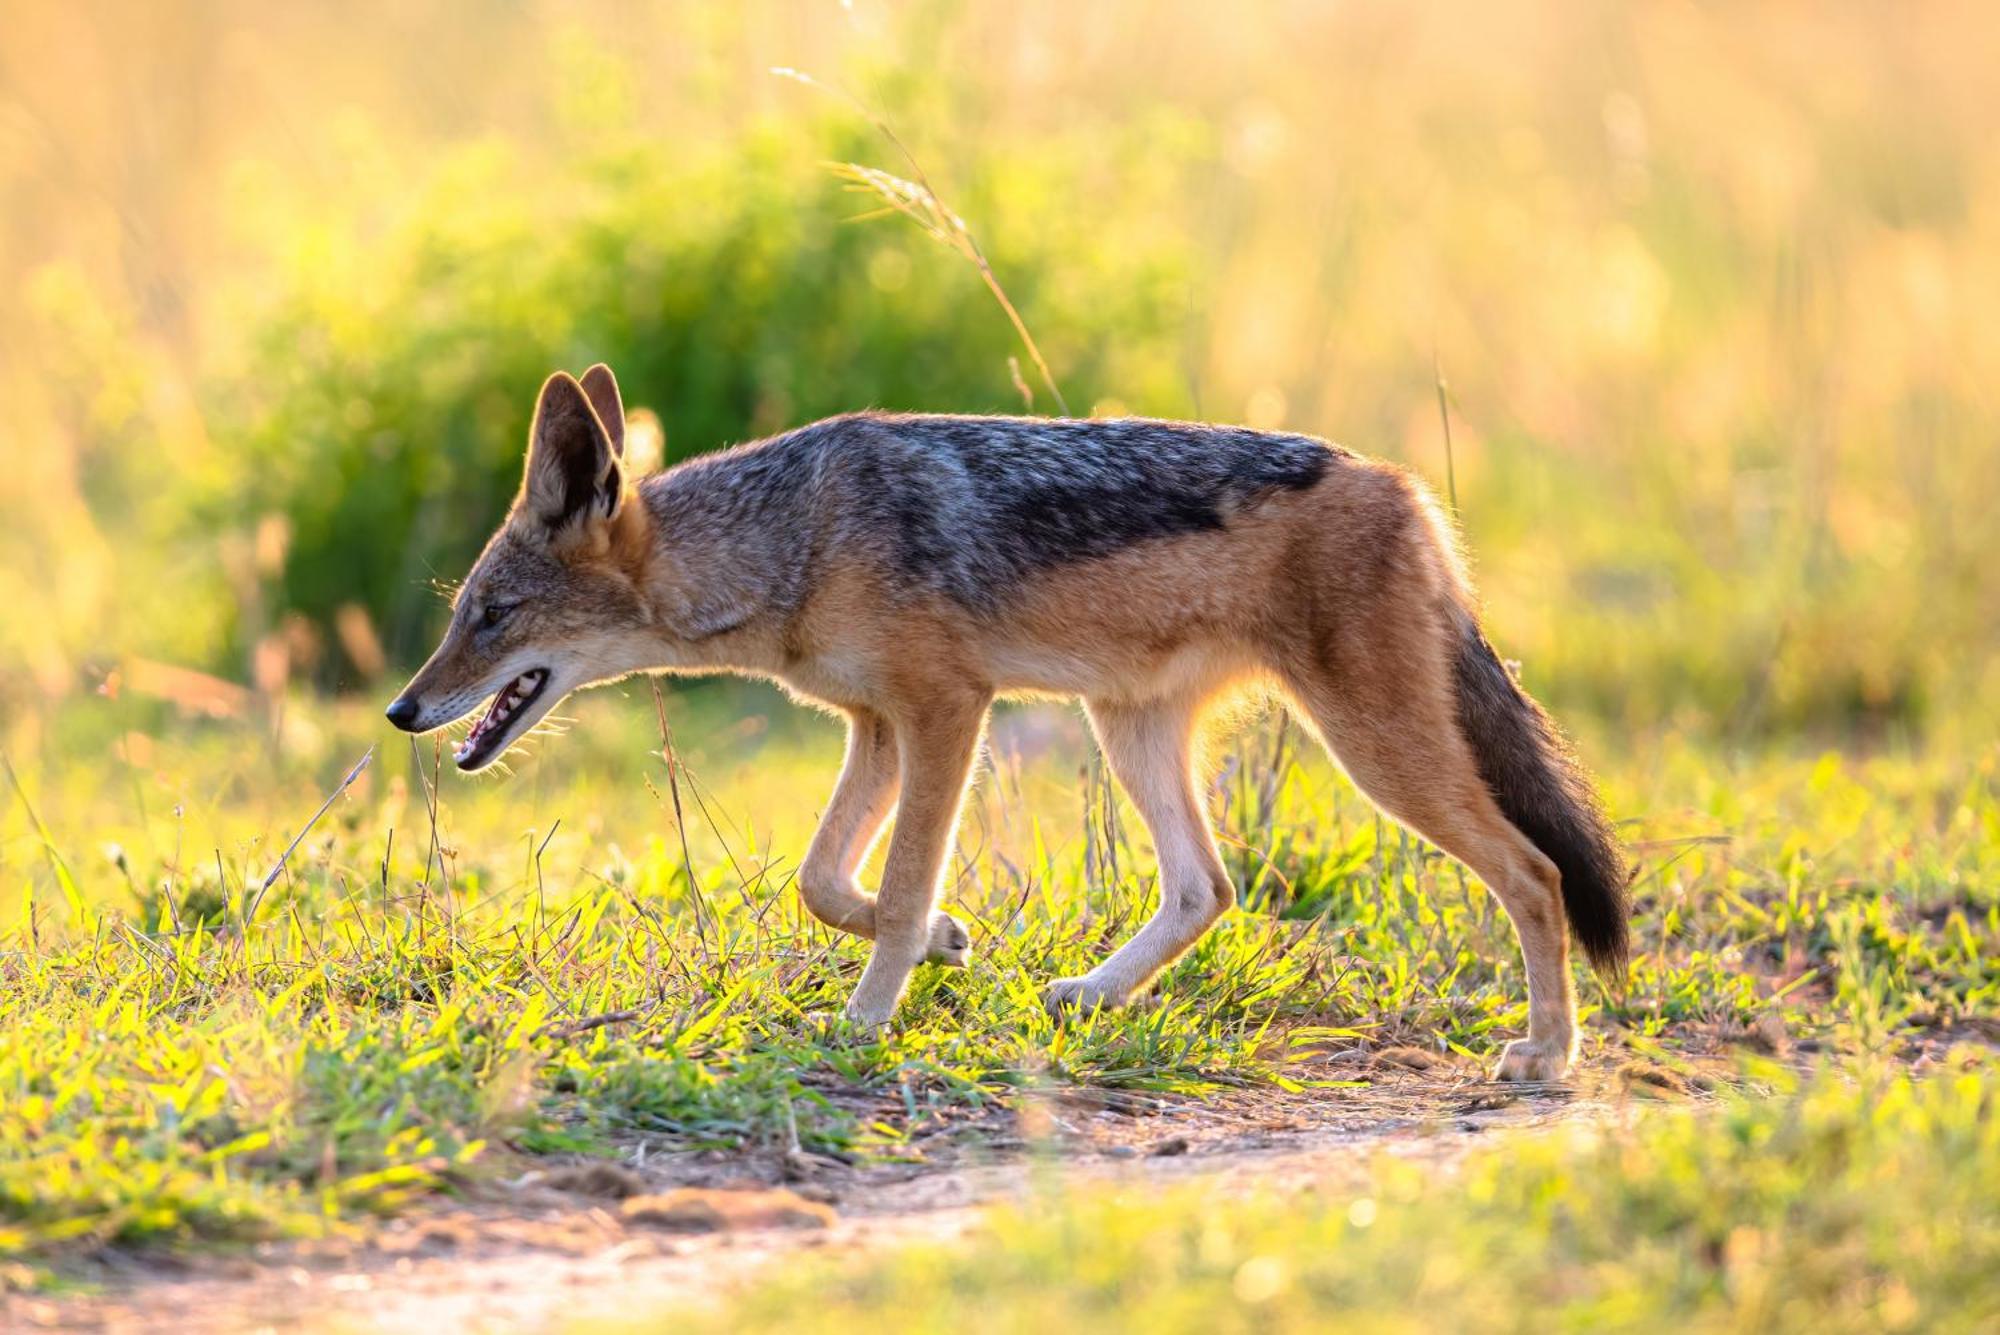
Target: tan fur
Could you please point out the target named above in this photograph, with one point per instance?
(1341, 596)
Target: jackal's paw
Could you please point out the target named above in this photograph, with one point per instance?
(1078, 996)
(1526, 1060)
(949, 942)
(863, 1020)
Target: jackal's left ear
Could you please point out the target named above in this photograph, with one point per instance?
(602, 388)
(572, 465)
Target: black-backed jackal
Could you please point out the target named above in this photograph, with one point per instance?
(906, 570)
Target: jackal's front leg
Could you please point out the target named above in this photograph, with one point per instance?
(935, 746)
(853, 819)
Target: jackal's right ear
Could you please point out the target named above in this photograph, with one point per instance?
(572, 466)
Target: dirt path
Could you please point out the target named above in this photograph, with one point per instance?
(599, 1241)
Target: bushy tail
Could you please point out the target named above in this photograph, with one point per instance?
(1544, 791)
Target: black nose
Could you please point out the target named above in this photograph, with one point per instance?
(403, 713)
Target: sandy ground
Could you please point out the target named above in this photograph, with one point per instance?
(593, 1241)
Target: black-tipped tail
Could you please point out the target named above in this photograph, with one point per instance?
(1544, 791)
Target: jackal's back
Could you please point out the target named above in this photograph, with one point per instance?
(971, 507)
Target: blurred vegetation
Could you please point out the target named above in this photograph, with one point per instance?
(383, 415)
(1706, 286)
(1863, 1206)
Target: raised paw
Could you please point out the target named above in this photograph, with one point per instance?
(1526, 1060)
(949, 942)
(1078, 996)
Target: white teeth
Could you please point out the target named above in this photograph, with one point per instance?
(510, 698)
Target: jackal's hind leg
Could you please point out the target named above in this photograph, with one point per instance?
(1149, 749)
(1398, 739)
(853, 819)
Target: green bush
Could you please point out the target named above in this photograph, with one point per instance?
(384, 412)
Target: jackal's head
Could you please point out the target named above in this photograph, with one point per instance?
(555, 601)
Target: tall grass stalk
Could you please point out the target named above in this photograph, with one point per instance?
(919, 202)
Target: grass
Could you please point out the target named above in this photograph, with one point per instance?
(1863, 1205)
(552, 965)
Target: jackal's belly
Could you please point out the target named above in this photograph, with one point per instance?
(1117, 671)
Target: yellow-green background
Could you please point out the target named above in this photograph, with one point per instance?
(1711, 287)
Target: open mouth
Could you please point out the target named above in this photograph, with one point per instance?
(489, 736)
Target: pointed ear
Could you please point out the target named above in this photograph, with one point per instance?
(602, 388)
(572, 468)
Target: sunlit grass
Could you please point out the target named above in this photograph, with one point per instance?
(185, 1057)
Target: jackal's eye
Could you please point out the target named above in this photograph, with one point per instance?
(494, 614)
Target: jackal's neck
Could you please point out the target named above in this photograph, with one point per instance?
(725, 568)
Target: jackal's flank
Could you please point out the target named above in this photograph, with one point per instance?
(906, 570)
